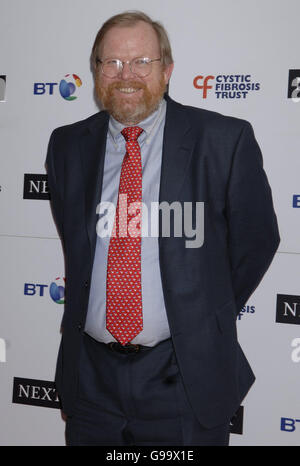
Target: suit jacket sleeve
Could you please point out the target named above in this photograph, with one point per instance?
(252, 225)
(56, 195)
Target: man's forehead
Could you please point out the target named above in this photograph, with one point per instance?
(139, 38)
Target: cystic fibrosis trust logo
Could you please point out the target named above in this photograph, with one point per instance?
(294, 85)
(136, 219)
(226, 86)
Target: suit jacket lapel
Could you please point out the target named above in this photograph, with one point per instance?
(177, 150)
(93, 146)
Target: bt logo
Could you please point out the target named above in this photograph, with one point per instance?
(56, 290)
(288, 425)
(296, 201)
(67, 87)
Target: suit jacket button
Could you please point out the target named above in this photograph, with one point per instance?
(86, 283)
(79, 326)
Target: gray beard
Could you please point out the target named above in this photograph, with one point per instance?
(143, 109)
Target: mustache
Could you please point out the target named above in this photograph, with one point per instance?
(122, 84)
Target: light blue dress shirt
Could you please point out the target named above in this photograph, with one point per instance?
(155, 322)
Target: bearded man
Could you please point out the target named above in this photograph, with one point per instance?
(149, 352)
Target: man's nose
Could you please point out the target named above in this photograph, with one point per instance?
(126, 72)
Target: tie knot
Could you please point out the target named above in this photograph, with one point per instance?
(131, 133)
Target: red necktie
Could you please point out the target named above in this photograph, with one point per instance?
(124, 317)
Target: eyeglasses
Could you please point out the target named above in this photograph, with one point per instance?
(112, 67)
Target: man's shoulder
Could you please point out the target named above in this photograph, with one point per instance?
(210, 120)
(78, 127)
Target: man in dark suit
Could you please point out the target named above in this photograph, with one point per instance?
(149, 352)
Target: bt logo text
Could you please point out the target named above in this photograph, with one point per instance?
(31, 289)
(296, 201)
(288, 425)
(43, 88)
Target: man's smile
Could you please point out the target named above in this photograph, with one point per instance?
(128, 90)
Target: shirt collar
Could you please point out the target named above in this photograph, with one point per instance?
(148, 125)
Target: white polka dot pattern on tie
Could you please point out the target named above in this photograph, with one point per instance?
(124, 316)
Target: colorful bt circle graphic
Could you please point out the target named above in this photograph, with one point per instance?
(67, 87)
(57, 290)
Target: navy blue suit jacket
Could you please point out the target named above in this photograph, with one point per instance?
(207, 157)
